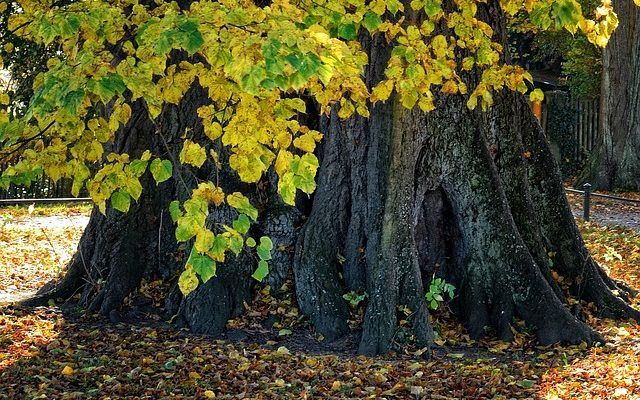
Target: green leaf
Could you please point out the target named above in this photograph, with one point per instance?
(567, 13)
(394, 6)
(266, 243)
(202, 265)
(197, 208)
(48, 31)
(526, 383)
(251, 242)
(432, 7)
(137, 167)
(242, 224)
(120, 200)
(261, 272)
(235, 244)
(107, 87)
(69, 25)
(263, 253)
(540, 16)
(133, 186)
(186, 228)
(72, 101)
(241, 203)
(251, 81)
(164, 44)
(264, 249)
(191, 39)
(161, 170)
(219, 246)
(348, 31)
(174, 210)
(371, 21)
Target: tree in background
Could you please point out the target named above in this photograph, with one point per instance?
(24, 60)
(574, 57)
(615, 161)
(209, 122)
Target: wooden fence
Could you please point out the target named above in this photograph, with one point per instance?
(579, 118)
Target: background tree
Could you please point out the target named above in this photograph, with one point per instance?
(431, 163)
(23, 60)
(615, 162)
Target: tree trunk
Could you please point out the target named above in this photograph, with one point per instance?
(615, 162)
(403, 196)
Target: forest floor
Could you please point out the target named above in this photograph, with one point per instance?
(57, 352)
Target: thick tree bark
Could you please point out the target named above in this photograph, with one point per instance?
(475, 198)
(615, 162)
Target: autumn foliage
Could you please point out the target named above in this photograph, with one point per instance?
(258, 65)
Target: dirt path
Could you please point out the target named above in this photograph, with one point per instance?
(625, 219)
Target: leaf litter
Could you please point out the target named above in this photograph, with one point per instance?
(271, 352)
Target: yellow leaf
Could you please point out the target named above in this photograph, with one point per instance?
(194, 375)
(305, 142)
(536, 96)
(382, 91)
(413, 33)
(283, 162)
(426, 104)
(204, 240)
(472, 102)
(336, 385)
(213, 130)
(193, 154)
(378, 7)
(439, 46)
(209, 192)
(188, 281)
(346, 108)
(467, 63)
(67, 371)
(209, 394)
(450, 87)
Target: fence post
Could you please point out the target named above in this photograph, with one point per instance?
(587, 201)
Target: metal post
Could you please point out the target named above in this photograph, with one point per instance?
(587, 201)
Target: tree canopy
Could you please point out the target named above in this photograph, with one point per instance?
(262, 66)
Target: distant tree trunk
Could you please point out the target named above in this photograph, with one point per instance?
(475, 198)
(615, 162)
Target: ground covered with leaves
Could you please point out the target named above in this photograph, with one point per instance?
(57, 352)
(36, 244)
